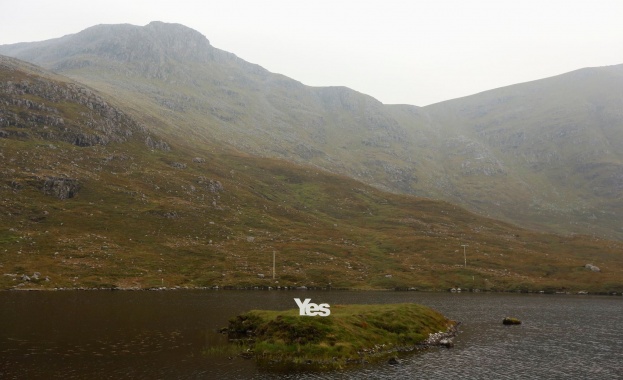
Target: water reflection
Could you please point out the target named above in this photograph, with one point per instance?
(165, 335)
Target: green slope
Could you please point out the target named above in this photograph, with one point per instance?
(130, 210)
(543, 155)
(552, 146)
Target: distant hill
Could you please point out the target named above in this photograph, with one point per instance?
(91, 197)
(548, 152)
(544, 154)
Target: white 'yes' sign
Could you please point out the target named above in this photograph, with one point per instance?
(312, 309)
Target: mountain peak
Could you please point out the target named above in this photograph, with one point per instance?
(178, 30)
(172, 31)
(152, 42)
(147, 46)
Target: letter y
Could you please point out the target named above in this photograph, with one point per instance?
(302, 305)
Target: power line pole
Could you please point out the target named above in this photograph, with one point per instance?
(273, 265)
(464, 254)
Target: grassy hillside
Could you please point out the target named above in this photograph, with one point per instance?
(130, 210)
(188, 87)
(550, 148)
(543, 155)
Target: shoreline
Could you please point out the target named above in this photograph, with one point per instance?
(301, 288)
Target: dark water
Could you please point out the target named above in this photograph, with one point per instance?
(168, 335)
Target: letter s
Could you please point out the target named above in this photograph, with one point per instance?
(323, 310)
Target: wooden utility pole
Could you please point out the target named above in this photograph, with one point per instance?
(273, 265)
(464, 255)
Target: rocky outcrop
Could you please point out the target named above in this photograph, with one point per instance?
(211, 185)
(61, 188)
(442, 338)
(178, 165)
(83, 139)
(37, 104)
(157, 145)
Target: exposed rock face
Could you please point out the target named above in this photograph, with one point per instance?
(36, 104)
(62, 188)
(83, 140)
(157, 145)
(103, 123)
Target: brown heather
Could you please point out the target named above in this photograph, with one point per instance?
(99, 200)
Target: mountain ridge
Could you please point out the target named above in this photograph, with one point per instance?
(483, 152)
(146, 211)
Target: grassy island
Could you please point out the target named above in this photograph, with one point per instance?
(351, 334)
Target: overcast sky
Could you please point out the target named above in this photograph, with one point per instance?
(414, 52)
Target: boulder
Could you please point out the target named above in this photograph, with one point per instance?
(511, 321)
(446, 342)
(592, 268)
(215, 186)
(392, 361)
(178, 165)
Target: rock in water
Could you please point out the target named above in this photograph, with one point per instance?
(447, 343)
(511, 321)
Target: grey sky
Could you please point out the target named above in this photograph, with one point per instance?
(415, 52)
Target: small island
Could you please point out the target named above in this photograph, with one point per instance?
(352, 334)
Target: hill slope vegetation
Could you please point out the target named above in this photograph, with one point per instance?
(544, 154)
(90, 197)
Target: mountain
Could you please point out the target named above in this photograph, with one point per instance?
(543, 155)
(220, 97)
(550, 149)
(156, 159)
(516, 153)
(90, 197)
